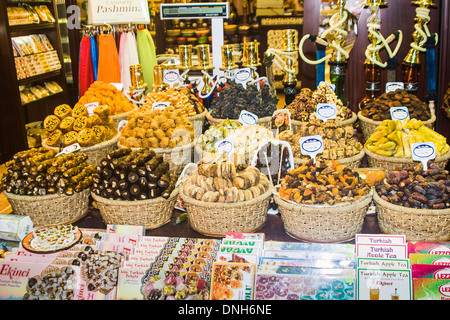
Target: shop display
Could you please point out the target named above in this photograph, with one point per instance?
(180, 98)
(68, 126)
(379, 109)
(323, 182)
(303, 108)
(338, 141)
(38, 172)
(157, 128)
(234, 98)
(104, 93)
(395, 138)
(133, 175)
(222, 182)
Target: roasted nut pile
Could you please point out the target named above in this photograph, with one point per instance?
(133, 175)
(414, 188)
(221, 182)
(339, 142)
(304, 105)
(234, 98)
(37, 172)
(379, 109)
(180, 98)
(325, 182)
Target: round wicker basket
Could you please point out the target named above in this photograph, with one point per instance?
(296, 125)
(317, 223)
(121, 116)
(351, 162)
(50, 209)
(96, 152)
(150, 213)
(215, 219)
(390, 163)
(265, 122)
(177, 157)
(369, 126)
(415, 224)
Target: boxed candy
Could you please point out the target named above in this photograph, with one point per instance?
(14, 227)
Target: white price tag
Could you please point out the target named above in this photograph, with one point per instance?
(326, 111)
(392, 86)
(90, 107)
(224, 145)
(399, 113)
(423, 151)
(311, 146)
(247, 118)
(243, 76)
(121, 125)
(171, 77)
(69, 149)
(160, 105)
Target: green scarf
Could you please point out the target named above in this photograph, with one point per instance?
(147, 56)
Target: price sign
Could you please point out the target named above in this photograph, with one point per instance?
(392, 86)
(311, 146)
(161, 105)
(326, 111)
(399, 113)
(171, 77)
(247, 118)
(224, 146)
(69, 149)
(90, 107)
(243, 76)
(423, 151)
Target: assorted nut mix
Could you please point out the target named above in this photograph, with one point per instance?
(379, 109)
(303, 108)
(322, 183)
(413, 187)
(37, 172)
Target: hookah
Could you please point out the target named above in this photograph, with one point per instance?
(373, 64)
(136, 91)
(423, 41)
(338, 57)
(288, 52)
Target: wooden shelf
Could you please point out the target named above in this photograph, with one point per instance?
(40, 99)
(33, 27)
(40, 77)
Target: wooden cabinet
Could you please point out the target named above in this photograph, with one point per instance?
(13, 113)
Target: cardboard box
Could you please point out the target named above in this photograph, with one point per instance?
(14, 227)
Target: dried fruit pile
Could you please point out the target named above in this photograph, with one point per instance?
(379, 109)
(234, 98)
(414, 188)
(325, 182)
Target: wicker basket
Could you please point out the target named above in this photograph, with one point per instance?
(415, 224)
(369, 126)
(151, 213)
(265, 122)
(335, 223)
(198, 121)
(215, 219)
(121, 116)
(351, 162)
(390, 163)
(96, 152)
(184, 154)
(296, 125)
(50, 209)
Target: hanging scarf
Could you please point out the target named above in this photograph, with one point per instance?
(147, 56)
(128, 56)
(85, 69)
(108, 59)
(94, 55)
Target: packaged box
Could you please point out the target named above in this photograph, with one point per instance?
(435, 259)
(232, 281)
(126, 229)
(245, 235)
(383, 284)
(431, 289)
(430, 271)
(15, 227)
(300, 287)
(441, 248)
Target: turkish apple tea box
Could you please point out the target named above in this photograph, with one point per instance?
(437, 248)
(302, 287)
(319, 247)
(368, 263)
(315, 263)
(435, 259)
(431, 289)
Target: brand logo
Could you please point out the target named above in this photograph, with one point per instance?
(442, 274)
(442, 262)
(441, 250)
(445, 289)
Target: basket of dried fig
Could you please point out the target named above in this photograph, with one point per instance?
(415, 203)
(323, 201)
(218, 198)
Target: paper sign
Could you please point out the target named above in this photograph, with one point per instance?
(397, 264)
(224, 145)
(69, 149)
(161, 105)
(243, 76)
(326, 111)
(121, 125)
(118, 12)
(171, 77)
(392, 86)
(90, 107)
(399, 113)
(380, 239)
(383, 284)
(311, 146)
(398, 251)
(247, 118)
(423, 151)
